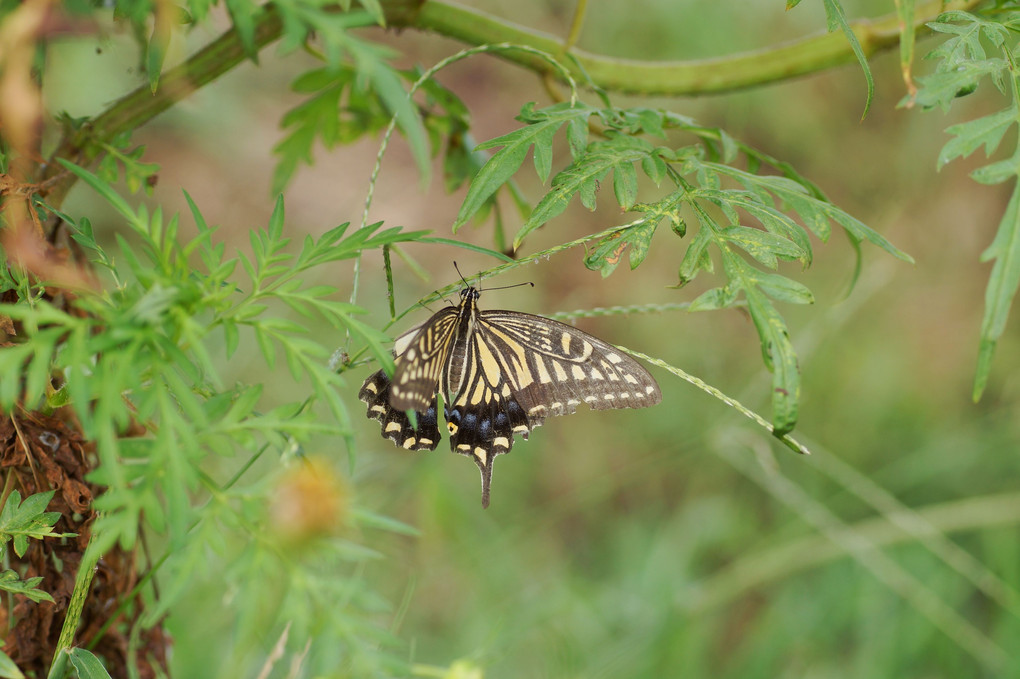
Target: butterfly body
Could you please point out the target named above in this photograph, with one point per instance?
(501, 373)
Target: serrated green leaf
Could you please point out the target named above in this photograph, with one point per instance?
(986, 131)
(774, 221)
(498, 169)
(609, 251)
(502, 165)
(943, 87)
(696, 257)
(765, 247)
(654, 167)
(711, 300)
(23, 520)
(29, 588)
(583, 177)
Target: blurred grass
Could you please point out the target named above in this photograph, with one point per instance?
(680, 541)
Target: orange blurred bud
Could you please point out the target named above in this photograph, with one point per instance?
(310, 501)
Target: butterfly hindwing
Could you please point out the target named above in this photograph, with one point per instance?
(396, 426)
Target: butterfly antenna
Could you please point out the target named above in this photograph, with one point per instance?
(507, 287)
(502, 287)
(463, 280)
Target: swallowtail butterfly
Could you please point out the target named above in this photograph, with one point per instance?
(501, 373)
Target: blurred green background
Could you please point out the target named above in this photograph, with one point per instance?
(679, 540)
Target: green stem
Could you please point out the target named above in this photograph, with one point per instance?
(576, 24)
(82, 589)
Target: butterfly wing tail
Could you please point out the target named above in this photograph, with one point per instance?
(484, 432)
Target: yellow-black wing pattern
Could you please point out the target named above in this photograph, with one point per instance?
(483, 416)
(501, 374)
(420, 355)
(553, 367)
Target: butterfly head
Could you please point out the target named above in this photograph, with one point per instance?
(470, 293)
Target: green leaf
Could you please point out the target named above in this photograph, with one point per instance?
(242, 14)
(625, 184)
(986, 131)
(583, 176)
(23, 520)
(103, 189)
(467, 246)
(1002, 287)
(375, 9)
(8, 670)
(765, 247)
(609, 251)
(696, 258)
(783, 289)
(163, 22)
(504, 163)
(781, 358)
(997, 173)
(837, 18)
(10, 582)
(655, 167)
(905, 13)
(943, 87)
(369, 519)
(577, 136)
(86, 664)
(386, 84)
(714, 299)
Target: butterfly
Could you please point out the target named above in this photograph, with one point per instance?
(501, 373)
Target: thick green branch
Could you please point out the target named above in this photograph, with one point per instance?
(808, 55)
(702, 76)
(142, 105)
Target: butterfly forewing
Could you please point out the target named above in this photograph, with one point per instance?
(564, 367)
(421, 358)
